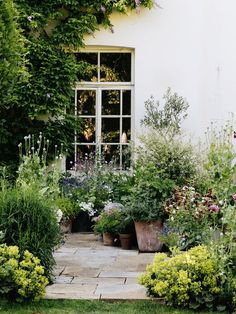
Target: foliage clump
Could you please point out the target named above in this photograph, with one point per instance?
(21, 274)
(28, 220)
(186, 279)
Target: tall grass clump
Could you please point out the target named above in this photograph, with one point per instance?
(28, 220)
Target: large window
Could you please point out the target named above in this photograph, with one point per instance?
(104, 103)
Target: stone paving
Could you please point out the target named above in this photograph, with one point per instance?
(86, 269)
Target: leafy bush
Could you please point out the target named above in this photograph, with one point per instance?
(28, 220)
(167, 121)
(67, 208)
(192, 216)
(149, 191)
(108, 221)
(21, 276)
(174, 157)
(188, 279)
(220, 163)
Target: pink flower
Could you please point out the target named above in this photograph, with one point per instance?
(234, 197)
(214, 208)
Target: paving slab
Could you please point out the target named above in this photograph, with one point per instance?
(63, 279)
(132, 291)
(98, 281)
(81, 272)
(71, 289)
(119, 274)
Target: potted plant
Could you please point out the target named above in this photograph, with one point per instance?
(107, 224)
(146, 205)
(68, 211)
(126, 230)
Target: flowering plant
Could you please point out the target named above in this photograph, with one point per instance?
(108, 221)
(21, 275)
(192, 217)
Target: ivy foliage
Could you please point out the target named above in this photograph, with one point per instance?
(47, 33)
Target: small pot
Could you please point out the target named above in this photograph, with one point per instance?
(108, 238)
(66, 226)
(126, 241)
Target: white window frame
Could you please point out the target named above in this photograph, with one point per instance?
(98, 87)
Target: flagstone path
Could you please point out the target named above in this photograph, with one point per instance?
(86, 269)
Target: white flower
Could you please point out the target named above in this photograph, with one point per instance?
(59, 215)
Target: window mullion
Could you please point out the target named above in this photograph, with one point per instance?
(75, 137)
(98, 118)
(99, 67)
(121, 126)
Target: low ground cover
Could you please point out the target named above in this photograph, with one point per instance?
(98, 307)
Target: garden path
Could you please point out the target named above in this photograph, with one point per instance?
(85, 269)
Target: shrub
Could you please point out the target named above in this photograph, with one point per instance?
(175, 158)
(149, 191)
(220, 162)
(67, 208)
(21, 276)
(187, 279)
(108, 221)
(192, 217)
(28, 220)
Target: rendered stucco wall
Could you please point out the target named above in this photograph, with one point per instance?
(188, 45)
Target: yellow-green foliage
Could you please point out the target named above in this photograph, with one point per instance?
(21, 276)
(186, 279)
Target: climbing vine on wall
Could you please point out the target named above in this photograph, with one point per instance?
(50, 29)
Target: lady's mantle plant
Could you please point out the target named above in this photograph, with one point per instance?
(21, 276)
(188, 279)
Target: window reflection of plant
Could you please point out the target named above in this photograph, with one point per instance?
(88, 127)
(89, 72)
(111, 136)
(84, 97)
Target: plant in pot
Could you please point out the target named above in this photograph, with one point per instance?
(107, 224)
(126, 229)
(145, 205)
(69, 212)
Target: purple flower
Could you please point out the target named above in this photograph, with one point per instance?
(137, 2)
(29, 18)
(214, 208)
(234, 197)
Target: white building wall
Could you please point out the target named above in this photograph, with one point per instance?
(188, 45)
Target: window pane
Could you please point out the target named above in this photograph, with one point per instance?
(126, 157)
(85, 152)
(86, 102)
(126, 130)
(111, 153)
(126, 103)
(110, 102)
(87, 134)
(87, 66)
(111, 130)
(115, 67)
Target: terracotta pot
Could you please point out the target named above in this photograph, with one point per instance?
(66, 226)
(126, 241)
(108, 239)
(147, 235)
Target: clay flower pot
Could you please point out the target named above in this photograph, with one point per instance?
(66, 226)
(108, 238)
(147, 235)
(126, 241)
